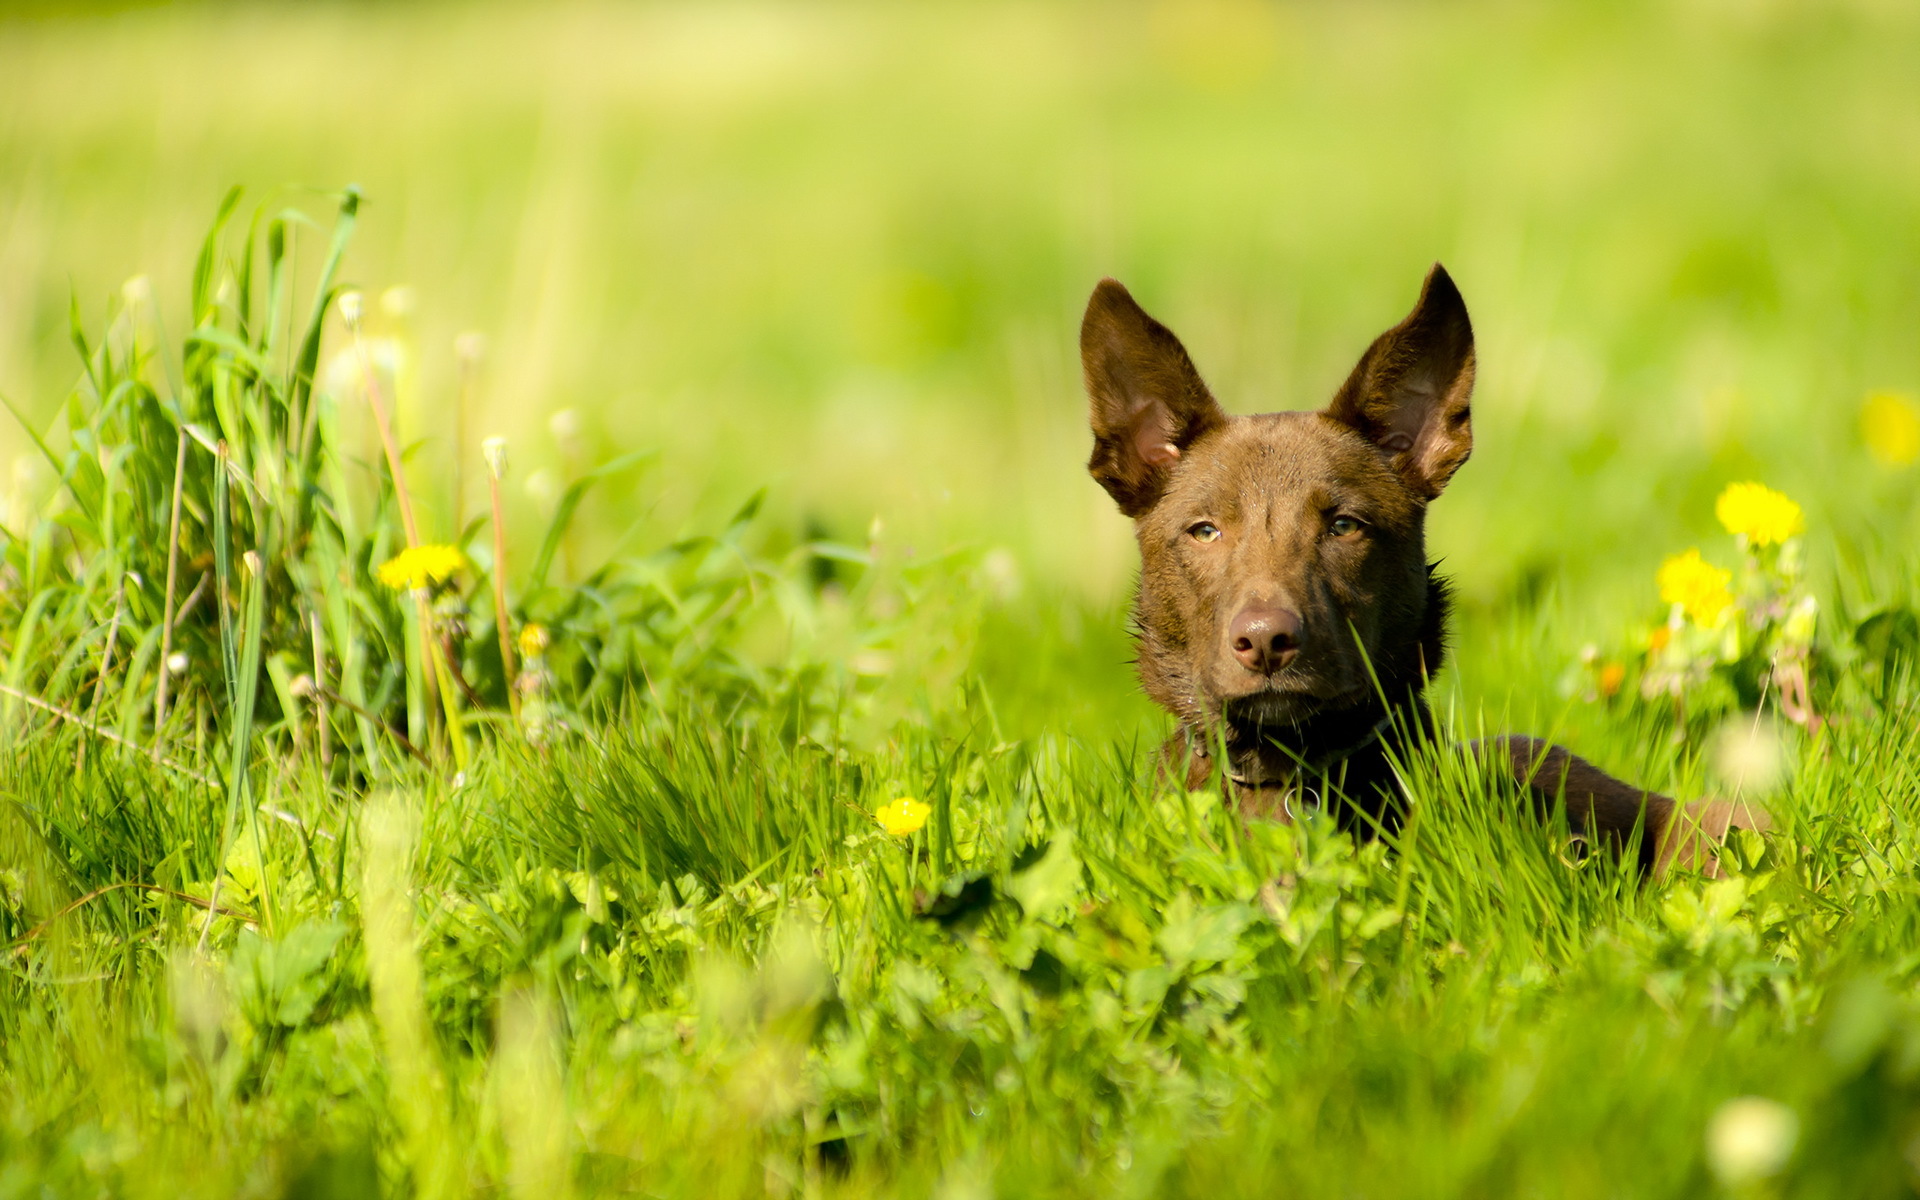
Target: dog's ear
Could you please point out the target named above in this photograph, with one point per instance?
(1148, 404)
(1409, 394)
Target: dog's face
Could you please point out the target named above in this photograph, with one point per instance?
(1283, 558)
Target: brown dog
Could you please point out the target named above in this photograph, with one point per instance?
(1287, 613)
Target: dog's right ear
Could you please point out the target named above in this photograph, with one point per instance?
(1410, 393)
(1147, 403)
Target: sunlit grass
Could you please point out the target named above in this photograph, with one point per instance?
(751, 797)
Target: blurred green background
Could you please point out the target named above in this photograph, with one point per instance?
(840, 250)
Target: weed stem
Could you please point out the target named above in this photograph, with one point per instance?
(173, 576)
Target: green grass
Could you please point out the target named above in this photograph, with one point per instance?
(817, 536)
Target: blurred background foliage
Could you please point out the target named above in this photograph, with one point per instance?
(840, 249)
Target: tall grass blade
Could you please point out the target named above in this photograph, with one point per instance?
(417, 1086)
(563, 513)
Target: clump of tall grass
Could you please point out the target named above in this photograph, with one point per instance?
(220, 591)
(220, 580)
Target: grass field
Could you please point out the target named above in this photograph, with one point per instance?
(323, 880)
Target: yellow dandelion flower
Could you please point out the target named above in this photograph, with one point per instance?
(903, 816)
(534, 640)
(1890, 424)
(1697, 586)
(1764, 516)
(419, 566)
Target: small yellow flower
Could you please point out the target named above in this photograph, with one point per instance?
(903, 816)
(534, 640)
(1890, 424)
(1612, 675)
(1755, 510)
(419, 566)
(1697, 586)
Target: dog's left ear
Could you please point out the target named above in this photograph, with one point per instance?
(1147, 403)
(1409, 394)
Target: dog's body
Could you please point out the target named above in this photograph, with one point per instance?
(1287, 614)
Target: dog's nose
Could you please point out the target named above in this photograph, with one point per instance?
(1264, 639)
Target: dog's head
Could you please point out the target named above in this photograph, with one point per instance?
(1283, 557)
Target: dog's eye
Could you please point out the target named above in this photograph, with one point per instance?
(1342, 526)
(1204, 531)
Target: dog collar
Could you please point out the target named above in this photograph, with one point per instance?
(1320, 767)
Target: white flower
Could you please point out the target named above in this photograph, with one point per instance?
(1751, 1138)
(1749, 754)
(544, 489)
(397, 302)
(176, 663)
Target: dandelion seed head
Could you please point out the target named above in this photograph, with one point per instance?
(494, 449)
(1751, 1138)
(349, 305)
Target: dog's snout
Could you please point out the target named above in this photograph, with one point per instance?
(1265, 638)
